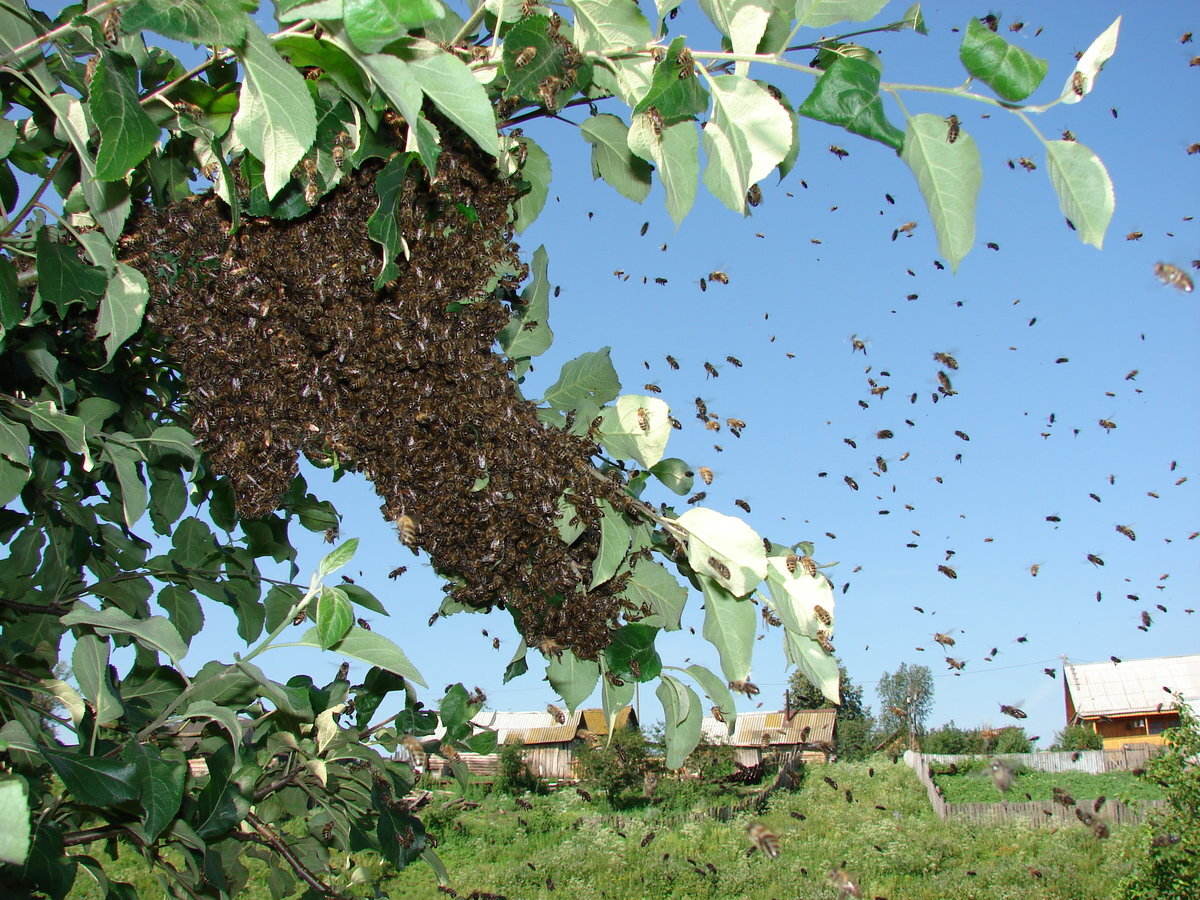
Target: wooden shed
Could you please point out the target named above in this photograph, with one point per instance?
(1129, 702)
(549, 747)
(804, 734)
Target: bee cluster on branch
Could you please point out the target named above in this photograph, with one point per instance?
(287, 348)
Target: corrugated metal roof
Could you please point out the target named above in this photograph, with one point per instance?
(595, 722)
(810, 726)
(1131, 686)
(713, 731)
(532, 728)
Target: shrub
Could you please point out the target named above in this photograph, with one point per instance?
(1011, 740)
(616, 766)
(952, 739)
(514, 776)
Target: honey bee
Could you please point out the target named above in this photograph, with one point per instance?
(652, 388)
(838, 151)
(191, 110)
(299, 618)
(1174, 276)
(1078, 84)
(1034, 569)
(763, 839)
(671, 361)
(408, 531)
(525, 57)
(1107, 424)
(711, 370)
(884, 434)
(719, 567)
(635, 668)
(549, 647)
(957, 664)
(742, 504)
(1002, 775)
(327, 832)
(614, 680)
(749, 688)
(735, 424)
(844, 883)
(364, 624)
(1147, 621)
(1013, 711)
(311, 193)
(734, 361)
(1027, 164)
(1127, 531)
(944, 639)
(697, 497)
(656, 120)
(1094, 559)
(413, 746)
(754, 195)
(851, 442)
(962, 434)
(809, 566)
(703, 285)
(1133, 236)
(643, 418)
(559, 716)
(823, 615)
(211, 171)
(947, 571)
(718, 276)
(946, 360)
(881, 464)
(448, 752)
(857, 345)
(853, 485)
(112, 27)
(1193, 149)
(951, 129)
(706, 474)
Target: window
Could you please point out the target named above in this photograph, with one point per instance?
(1159, 725)
(1135, 724)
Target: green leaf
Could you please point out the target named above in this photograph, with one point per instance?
(729, 625)
(222, 715)
(633, 647)
(126, 133)
(536, 172)
(159, 787)
(742, 21)
(94, 781)
(62, 278)
(183, 608)
(796, 595)
(1011, 72)
(14, 441)
(219, 22)
(847, 94)
(823, 13)
(674, 473)
(684, 714)
(590, 376)
(718, 692)
(155, 632)
(89, 664)
(528, 332)
(914, 19)
(747, 135)
(176, 440)
(70, 698)
(676, 91)
(334, 616)
(221, 804)
(12, 308)
(652, 587)
(294, 701)
(818, 667)
(1085, 192)
(364, 598)
(400, 86)
(949, 176)
(608, 25)
(614, 698)
(729, 542)
(122, 308)
(572, 678)
(108, 201)
(373, 24)
(450, 84)
(676, 153)
(125, 461)
(382, 226)
(484, 742)
(14, 813)
(614, 545)
(517, 666)
(278, 604)
(622, 431)
(303, 50)
(16, 31)
(531, 33)
(612, 159)
(372, 648)
(337, 558)
(1083, 78)
(276, 119)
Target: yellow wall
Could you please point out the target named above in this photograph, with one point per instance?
(1116, 743)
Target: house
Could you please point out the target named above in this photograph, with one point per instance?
(807, 734)
(549, 747)
(1129, 702)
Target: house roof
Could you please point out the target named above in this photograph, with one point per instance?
(541, 728)
(811, 726)
(1131, 686)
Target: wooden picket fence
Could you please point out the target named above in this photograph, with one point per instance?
(1036, 812)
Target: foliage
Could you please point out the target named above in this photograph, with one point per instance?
(1078, 737)
(150, 335)
(1170, 867)
(514, 776)
(952, 739)
(905, 699)
(971, 784)
(615, 765)
(854, 731)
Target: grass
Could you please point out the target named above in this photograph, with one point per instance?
(977, 787)
(900, 851)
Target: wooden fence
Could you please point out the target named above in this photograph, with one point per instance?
(1036, 812)
(1094, 762)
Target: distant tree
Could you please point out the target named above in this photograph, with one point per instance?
(906, 699)
(514, 776)
(1171, 867)
(1077, 737)
(1011, 740)
(855, 726)
(616, 766)
(952, 739)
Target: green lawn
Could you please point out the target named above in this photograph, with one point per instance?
(977, 787)
(900, 851)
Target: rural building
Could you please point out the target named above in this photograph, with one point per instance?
(549, 748)
(1126, 702)
(807, 734)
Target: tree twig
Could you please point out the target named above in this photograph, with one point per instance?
(265, 835)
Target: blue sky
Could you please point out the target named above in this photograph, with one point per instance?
(1103, 311)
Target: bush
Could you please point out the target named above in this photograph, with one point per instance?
(1011, 740)
(952, 739)
(514, 776)
(616, 766)
(1077, 737)
(1171, 867)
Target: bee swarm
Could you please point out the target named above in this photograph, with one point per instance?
(287, 348)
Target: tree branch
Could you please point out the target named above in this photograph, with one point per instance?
(264, 835)
(88, 835)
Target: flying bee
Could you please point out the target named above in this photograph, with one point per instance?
(1127, 531)
(643, 418)
(851, 442)
(962, 434)
(844, 883)
(711, 370)
(408, 531)
(749, 688)
(1002, 775)
(364, 624)
(944, 639)
(718, 276)
(838, 151)
(656, 120)
(734, 361)
(706, 474)
(754, 196)
(851, 482)
(719, 567)
(1078, 84)
(947, 571)
(1094, 559)
(525, 57)
(652, 388)
(1027, 164)
(884, 434)
(1174, 276)
(495, 643)
(191, 110)
(823, 615)
(718, 715)
(697, 497)
(951, 129)
(944, 384)
(703, 285)
(548, 647)
(957, 664)
(559, 716)
(881, 464)
(671, 361)
(742, 504)
(1013, 711)
(946, 360)
(211, 171)
(856, 345)
(327, 832)
(763, 839)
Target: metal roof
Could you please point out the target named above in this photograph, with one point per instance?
(1132, 685)
(809, 726)
(713, 731)
(540, 727)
